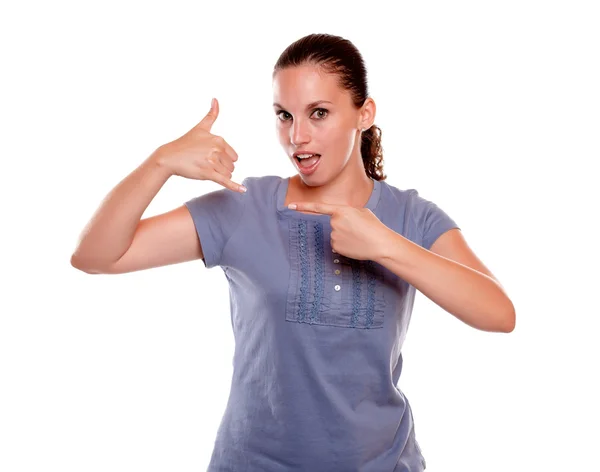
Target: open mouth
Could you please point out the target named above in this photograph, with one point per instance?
(308, 159)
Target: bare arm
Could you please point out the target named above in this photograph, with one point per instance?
(116, 241)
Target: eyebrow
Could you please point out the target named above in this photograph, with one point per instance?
(309, 106)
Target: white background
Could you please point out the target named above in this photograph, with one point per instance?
(489, 109)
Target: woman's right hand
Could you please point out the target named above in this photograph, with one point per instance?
(200, 155)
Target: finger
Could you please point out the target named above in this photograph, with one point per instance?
(226, 182)
(224, 167)
(223, 163)
(230, 152)
(225, 149)
(207, 122)
(314, 207)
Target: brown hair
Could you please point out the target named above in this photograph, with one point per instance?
(339, 56)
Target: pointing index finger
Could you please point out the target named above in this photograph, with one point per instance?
(314, 207)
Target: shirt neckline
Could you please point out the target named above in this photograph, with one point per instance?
(286, 212)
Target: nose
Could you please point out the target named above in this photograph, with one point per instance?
(299, 132)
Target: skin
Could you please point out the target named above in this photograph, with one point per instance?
(330, 129)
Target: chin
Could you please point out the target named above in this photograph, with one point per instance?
(314, 180)
(310, 182)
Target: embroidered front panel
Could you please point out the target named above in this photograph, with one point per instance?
(327, 288)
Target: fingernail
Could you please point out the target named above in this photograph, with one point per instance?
(242, 188)
(292, 206)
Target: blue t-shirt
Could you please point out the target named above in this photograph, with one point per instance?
(318, 336)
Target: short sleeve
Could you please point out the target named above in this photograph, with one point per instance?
(216, 216)
(430, 219)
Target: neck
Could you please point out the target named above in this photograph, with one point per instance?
(351, 187)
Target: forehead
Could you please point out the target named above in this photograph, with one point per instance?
(303, 84)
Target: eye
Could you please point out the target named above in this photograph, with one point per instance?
(285, 116)
(279, 114)
(323, 112)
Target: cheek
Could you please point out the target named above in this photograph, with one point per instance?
(337, 138)
(282, 134)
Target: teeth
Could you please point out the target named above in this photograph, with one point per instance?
(305, 156)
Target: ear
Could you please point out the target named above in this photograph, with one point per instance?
(367, 114)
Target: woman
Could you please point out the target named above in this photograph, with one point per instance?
(323, 293)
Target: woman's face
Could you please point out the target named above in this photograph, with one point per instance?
(315, 115)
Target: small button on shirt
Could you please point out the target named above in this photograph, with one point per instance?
(317, 356)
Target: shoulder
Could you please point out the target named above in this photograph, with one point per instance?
(398, 197)
(262, 182)
(410, 197)
(254, 185)
(419, 209)
(262, 190)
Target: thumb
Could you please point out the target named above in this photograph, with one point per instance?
(211, 116)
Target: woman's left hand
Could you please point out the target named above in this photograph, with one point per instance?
(355, 232)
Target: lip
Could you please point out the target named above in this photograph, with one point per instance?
(310, 170)
(304, 152)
